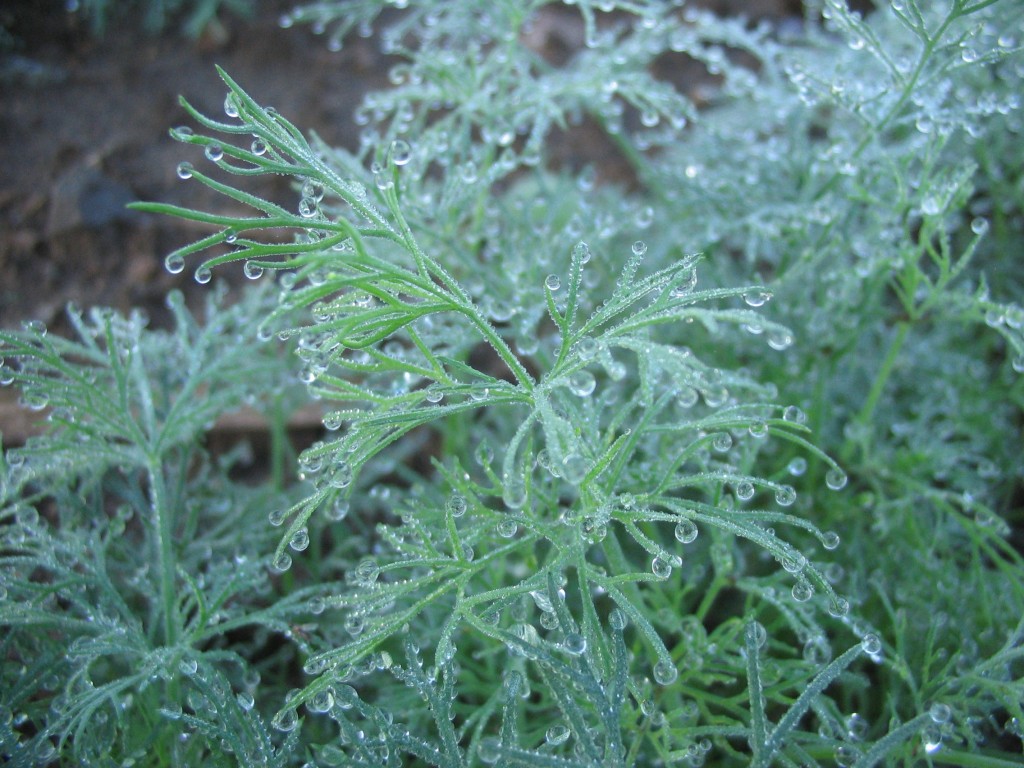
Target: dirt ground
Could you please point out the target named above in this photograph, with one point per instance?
(83, 131)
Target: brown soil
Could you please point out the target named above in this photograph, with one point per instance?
(83, 130)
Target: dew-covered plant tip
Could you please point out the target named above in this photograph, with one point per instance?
(717, 463)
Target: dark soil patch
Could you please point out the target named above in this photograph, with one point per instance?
(83, 131)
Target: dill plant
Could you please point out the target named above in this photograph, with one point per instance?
(720, 469)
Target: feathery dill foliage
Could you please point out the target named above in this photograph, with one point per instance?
(697, 472)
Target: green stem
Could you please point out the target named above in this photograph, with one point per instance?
(165, 550)
(867, 411)
(278, 444)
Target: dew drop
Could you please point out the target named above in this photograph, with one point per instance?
(277, 517)
(830, 540)
(639, 248)
(557, 734)
(401, 152)
(979, 226)
(582, 383)
(931, 206)
(185, 170)
(322, 701)
(314, 666)
(835, 479)
(794, 562)
(931, 738)
(341, 476)
(214, 152)
(468, 172)
(507, 528)
(514, 493)
(581, 251)
(338, 511)
(300, 540)
(258, 147)
(188, 666)
(797, 466)
(780, 340)
(366, 572)
(757, 633)
(355, 624)
(203, 275)
(617, 619)
(574, 644)
(587, 348)
(574, 468)
(175, 263)
(286, 720)
(252, 270)
(661, 567)
(282, 562)
(722, 442)
(839, 607)
(665, 672)
(230, 106)
(756, 298)
(744, 490)
(245, 701)
(802, 591)
(456, 505)
(785, 495)
(871, 645)
(686, 531)
(308, 208)
(846, 756)
(552, 283)
(816, 650)
(687, 397)
(794, 415)
(489, 750)
(939, 713)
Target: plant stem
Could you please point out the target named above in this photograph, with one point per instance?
(867, 411)
(165, 549)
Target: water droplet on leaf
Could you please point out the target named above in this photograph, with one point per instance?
(802, 591)
(582, 383)
(557, 734)
(299, 540)
(401, 152)
(686, 531)
(871, 645)
(286, 720)
(665, 672)
(835, 479)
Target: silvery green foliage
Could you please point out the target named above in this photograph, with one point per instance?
(577, 479)
(123, 564)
